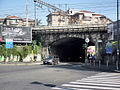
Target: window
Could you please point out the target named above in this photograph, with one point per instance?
(86, 18)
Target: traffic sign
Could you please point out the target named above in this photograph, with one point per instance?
(87, 40)
(109, 48)
(9, 43)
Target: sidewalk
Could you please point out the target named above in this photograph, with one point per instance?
(101, 67)
(22, 63)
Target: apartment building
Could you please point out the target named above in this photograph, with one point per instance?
(1, 21)
(76, 17)
(17, 21)
(57, 19)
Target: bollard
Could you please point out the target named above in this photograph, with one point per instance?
(90, 62)
(117, 67)
(99, 63)
(94, 62)
(107, 63)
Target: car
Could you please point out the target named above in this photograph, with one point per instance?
(51, 60)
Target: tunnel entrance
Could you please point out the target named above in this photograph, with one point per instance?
(69, 49)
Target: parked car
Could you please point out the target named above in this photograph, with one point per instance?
(51, 60)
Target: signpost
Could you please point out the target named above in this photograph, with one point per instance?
(109, 48)
(87, 41)
(108, 51)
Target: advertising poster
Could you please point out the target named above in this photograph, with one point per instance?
(18, 34)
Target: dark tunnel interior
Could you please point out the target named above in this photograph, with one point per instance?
(69, 49)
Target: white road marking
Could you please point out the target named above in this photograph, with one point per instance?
(101, 81)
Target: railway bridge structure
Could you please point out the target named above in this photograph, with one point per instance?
(67, 41)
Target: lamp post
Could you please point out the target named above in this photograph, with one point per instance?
(117, 35)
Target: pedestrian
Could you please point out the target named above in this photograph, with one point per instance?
(89, 57)
(93, 57)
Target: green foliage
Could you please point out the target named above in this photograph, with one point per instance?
(21, 51)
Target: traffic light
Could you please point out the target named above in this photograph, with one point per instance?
(84, 46)
(32, 47)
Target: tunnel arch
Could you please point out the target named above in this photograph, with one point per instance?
(69, 49)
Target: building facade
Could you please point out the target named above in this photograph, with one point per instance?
(76, 17)
(17, 21)
(1, 21)
(112, 31)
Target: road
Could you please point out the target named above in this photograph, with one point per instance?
(40, 77)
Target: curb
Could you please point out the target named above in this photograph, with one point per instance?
(6, 64)
(99, 68)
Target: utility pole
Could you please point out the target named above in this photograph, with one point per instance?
(66, 7)
(26, 12)
(35, 12)
(117, 34)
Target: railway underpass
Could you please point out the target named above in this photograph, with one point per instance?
(69, 49)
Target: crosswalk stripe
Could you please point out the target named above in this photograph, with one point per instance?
(104, 80)
(101, 81)
(100, 84)
(92, 87)
(117, 82)
(102, 76)
(58, 88)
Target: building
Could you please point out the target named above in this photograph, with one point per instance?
(57, 19)
(76, 17)
(1, 21)
(112, 30)
(17, 21)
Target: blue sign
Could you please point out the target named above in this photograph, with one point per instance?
(9, 44)
(109, 48)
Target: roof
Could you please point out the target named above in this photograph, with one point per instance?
(16, 17)
(86, 11)
(99, 15)
(13, 17)
(30, 20)
(1, 19)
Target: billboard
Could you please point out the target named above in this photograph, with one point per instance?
(18, 34)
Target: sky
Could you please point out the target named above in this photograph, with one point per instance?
(18, 8)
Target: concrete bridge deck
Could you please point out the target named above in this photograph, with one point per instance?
(72, 28)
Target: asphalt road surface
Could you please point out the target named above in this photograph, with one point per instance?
(40, 77)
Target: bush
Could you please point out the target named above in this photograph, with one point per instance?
(21, 51)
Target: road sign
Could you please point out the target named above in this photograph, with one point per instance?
(109, 48)
(87, 40)
(9, 43)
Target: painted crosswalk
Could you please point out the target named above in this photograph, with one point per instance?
(101, 81)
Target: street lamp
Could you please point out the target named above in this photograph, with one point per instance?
(117, 34)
